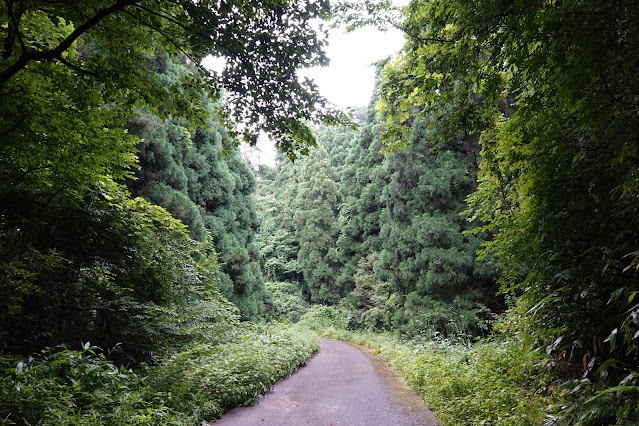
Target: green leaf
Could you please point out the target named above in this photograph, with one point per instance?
(603, 368)
(612, 338)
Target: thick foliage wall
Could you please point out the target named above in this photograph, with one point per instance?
(186, 172)
(117, 272)
(426, 257)
(315, 213)
(276, 239)
(79, 258)
(300, 226)
(558, 187)
(402, 240)
(362, 182)
(385, 234)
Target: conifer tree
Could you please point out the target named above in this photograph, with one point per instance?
(186, 173)
(276, 238)
(362, 182)
(336, 141)
(316, 229)
(426, 256)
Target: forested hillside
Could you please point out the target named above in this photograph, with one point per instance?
(185, 172)
(384, 234)
(126, 219)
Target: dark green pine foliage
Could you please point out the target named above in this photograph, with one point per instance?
(162, 178)
(315, 220)
(185, 172)
(404, 259)
(336, 141)
(362, 181)
(426, 256)
(224, 188)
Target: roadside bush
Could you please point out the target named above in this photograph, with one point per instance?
(321, 317)
(492, 382)
(117, 269)
(207, 381)
(68, 387)
(82, 387)
(289, 303)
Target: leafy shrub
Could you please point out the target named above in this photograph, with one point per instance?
(427, 316)
(117, 270)
(62, 386)
(615, 405)
(208, 380)
(380, 307)
(66, 387)
(289, 302)
(321, 317)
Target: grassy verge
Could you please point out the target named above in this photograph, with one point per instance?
(487, 383)
(67, 387)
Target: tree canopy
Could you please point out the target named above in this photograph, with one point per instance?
(264, 44)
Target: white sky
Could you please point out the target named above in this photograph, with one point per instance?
(348, 80)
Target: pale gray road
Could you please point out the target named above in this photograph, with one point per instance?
(340, 385)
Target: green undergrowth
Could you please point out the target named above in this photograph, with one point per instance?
(81, 387)
(486, 383)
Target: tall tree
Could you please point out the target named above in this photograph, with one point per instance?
(315, 219)
(425, 255)
(187, 173)
(361, 185)
(558, 187)
(224, 188)
(276, 239)
(336, 141)
(71, 74)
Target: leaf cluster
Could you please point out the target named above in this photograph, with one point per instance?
(548, 90)
(106, 44)
(195, 384)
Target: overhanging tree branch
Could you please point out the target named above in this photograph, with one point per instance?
(168, 38)
(55, 53)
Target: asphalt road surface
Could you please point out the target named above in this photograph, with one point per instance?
(340, 385)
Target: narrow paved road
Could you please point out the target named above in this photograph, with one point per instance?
(340, 385)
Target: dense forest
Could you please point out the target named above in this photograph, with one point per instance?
(382, 234)
(475, 224)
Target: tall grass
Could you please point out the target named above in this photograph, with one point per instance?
(492, 382)
(82, 387)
